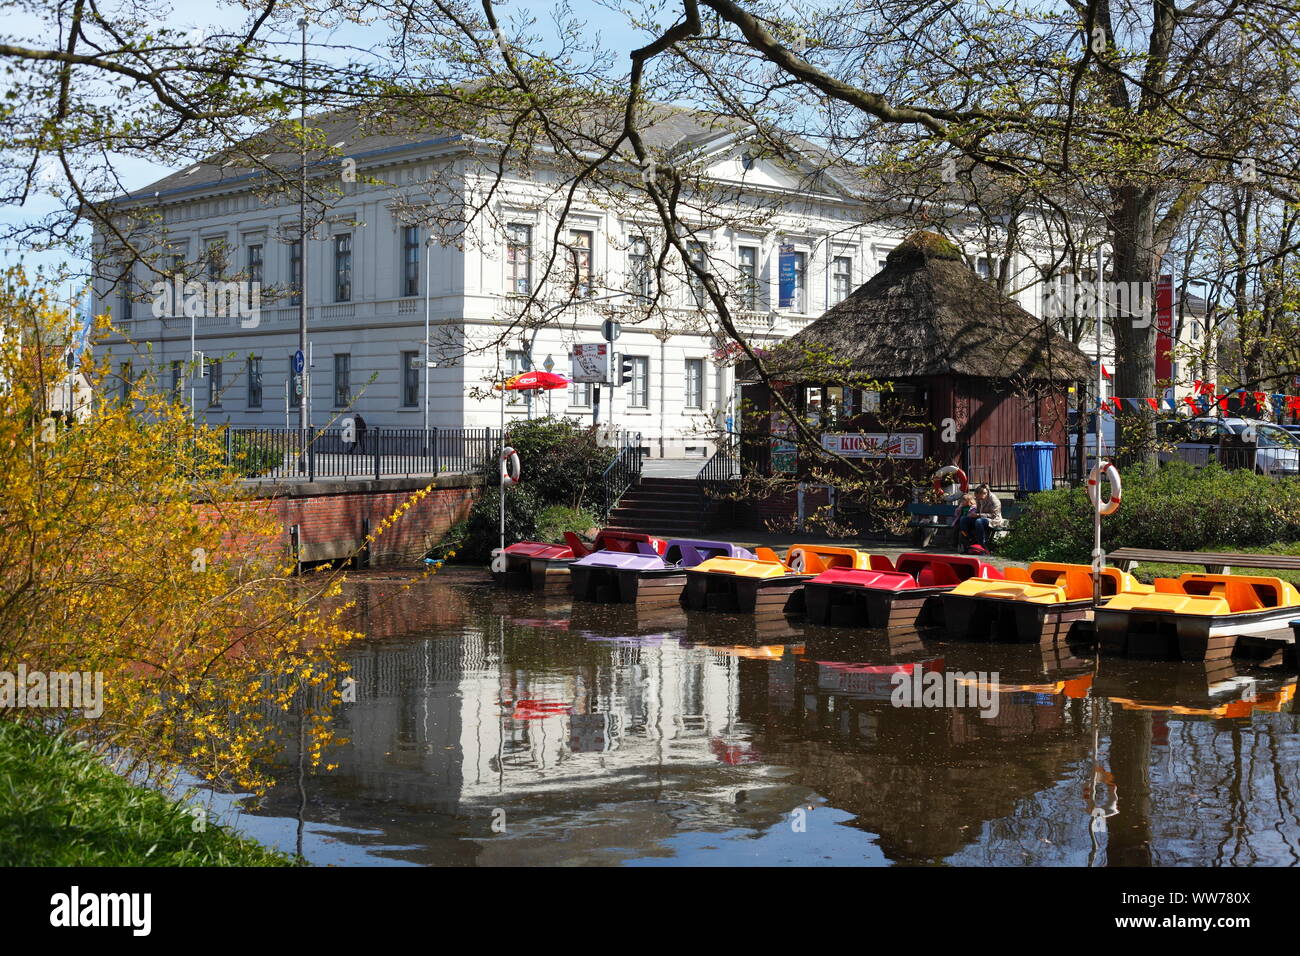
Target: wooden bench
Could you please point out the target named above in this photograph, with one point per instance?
(929, 519)
(1214, 562)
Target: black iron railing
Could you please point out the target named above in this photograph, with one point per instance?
(623, 472)
(723, 465)
(277, 454)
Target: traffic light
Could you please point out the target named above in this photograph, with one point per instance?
(622, 369)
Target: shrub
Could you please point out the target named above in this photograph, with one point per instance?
(554, 520)
(482, 531)
(559, 460)
(1175, 507)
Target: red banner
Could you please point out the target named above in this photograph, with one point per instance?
(1164, 327)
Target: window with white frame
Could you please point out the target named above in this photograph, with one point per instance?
(343, 267)
(214, 383)
(295, 271)
(638, 395)
(410, 260)
(342, 379)
(214, 256)
(695, 383)
(793, 280)
(987, 267)
(748, 267)
(255, 264)
(580, 250)
(254, 381)
(519, 258)
(841, 279)
(700, 260)
(639, 267)
(410, 379)
(516, 364)
(580, 395)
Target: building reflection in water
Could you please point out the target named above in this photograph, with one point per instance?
(494, 728)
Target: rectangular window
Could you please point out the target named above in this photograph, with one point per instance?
(793, 280)
(580, 243)
(695, 383)
(255, 263)
(748, 265)
(254, 381)
(987, 268)
(124, 373)
(519, 258)
(214, 384)
(342, 380)
(580, 395)
(516, 364)
(178, 265)
(295, 271)
(343, 267)
(640, 269)
(638, 395)
(841, 279)
(700, 260)
(214, 257)
(176, 381)
(410, 379)
(126, 307)
(411, 260)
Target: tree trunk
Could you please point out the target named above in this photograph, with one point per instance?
(1132, 228)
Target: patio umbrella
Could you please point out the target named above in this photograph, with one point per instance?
(523, 382)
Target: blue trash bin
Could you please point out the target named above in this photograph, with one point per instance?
(1034, 465)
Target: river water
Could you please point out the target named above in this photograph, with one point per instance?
(495, 728)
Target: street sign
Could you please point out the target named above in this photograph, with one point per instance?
(549, 364)
(299, 361)
(610, 330)
(590, 363)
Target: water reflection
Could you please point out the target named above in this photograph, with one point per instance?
(501, 728)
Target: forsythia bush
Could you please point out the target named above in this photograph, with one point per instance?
(108, 567)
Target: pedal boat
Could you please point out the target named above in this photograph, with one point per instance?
(764, 583)
(1195, 617)
(904, 594)
(644, 577)
(1040, 604)
(545, 567)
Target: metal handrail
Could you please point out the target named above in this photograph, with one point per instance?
(623, 472)
(723, 465)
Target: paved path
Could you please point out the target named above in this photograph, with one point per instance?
(671, 467)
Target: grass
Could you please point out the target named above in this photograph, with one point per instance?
(60, 805)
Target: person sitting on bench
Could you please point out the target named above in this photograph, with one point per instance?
(974, 525)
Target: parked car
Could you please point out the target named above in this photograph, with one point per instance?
(1275, 451)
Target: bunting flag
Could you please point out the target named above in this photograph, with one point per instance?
(1205, 398)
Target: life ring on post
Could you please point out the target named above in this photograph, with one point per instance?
(509, 466)
(950, 470)
(1109, 472)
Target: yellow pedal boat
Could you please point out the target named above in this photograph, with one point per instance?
(1196, 617)
(766, 583)
(1030, 605)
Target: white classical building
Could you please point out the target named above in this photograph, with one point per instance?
(788, 242)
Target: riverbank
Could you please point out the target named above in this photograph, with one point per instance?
(61, 806)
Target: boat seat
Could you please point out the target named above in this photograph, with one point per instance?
(575, 544)
(1078, 585)
(1017, 574)
(880, 562)
(936, 576)
(688, 557)
(1243, 597)
(766, 554)
(645, 547)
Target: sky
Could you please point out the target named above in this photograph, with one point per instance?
(187, 15)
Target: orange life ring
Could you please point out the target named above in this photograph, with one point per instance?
(509, 466)
(1111, 474)
(950, 470)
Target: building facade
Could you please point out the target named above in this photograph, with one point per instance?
(213, 314)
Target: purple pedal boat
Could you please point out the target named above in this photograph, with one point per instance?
(643, 577)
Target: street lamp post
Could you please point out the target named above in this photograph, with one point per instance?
(304, 423)
(428, 358)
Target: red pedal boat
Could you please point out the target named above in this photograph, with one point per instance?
(902, 596)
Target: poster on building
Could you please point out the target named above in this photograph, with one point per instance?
(875, 445)
(784, 455)
(591, 363)
(1165, 328)
(787, 276)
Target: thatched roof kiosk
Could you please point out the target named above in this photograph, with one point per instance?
(963, 361)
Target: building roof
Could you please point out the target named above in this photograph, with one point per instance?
(927, 313)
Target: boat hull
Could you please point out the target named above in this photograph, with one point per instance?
(547, 575)
(973, 618)
(834, 605)
(1165, 635)
(648, 589)
(737, 594)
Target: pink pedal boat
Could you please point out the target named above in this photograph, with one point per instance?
(646, 577)
(545, 567)
(905, 595)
